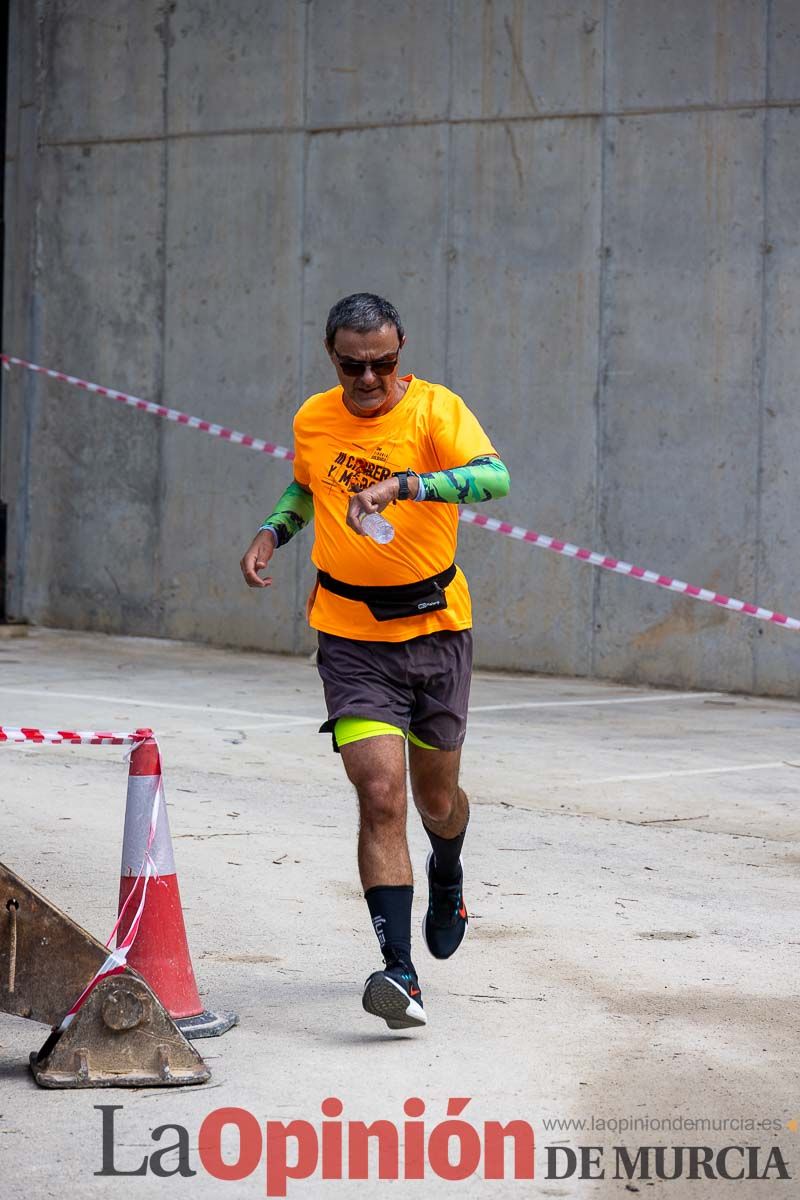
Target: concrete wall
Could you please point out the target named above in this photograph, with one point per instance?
(587, 213)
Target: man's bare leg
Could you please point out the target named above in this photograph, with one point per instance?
(376, 767)
(444, 809)
(441, 803)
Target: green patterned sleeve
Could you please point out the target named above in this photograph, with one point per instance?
(484, 478)
(293, 511)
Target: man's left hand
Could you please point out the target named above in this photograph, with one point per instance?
(373, 499)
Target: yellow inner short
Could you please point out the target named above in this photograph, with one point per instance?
(356, 729)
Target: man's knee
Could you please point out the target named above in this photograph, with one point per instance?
(437, 801)
(381, 801)
(376, 768)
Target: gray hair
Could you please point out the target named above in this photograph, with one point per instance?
(362, 312)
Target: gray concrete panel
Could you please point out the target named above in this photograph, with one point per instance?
(679, 407)
(520, 58)
(235, 66)
(523, 350)
(102, 69)
(685, 52)
(18, 393)
(784, 50)
(371, 63)
(376, 221)
(94, 464)
(232, 352)
(778, 651)
(21, 91)
(18, 389)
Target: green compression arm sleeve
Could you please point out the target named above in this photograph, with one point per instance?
(482, 479)
(293, 511)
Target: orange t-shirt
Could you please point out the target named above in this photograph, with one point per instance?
(337, 453)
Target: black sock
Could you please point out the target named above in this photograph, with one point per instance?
(446, 855)
(390, 909)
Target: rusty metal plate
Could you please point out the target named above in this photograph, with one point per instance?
(121, 1036)
(46, 960)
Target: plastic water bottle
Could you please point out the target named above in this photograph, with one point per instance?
(378, 528)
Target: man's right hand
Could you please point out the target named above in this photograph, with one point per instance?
(256, 558)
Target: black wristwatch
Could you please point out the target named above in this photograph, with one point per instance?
(402, 480)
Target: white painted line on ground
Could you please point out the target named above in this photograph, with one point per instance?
(123, 701)
(285, 718)
(764, 766)
(596, 701)
(264, 726)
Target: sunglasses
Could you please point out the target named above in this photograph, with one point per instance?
(356, 366)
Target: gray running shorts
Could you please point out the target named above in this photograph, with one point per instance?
(421, 685)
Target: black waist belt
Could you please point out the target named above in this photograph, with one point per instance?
(400, 600)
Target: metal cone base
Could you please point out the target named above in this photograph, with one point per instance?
(207, 1024)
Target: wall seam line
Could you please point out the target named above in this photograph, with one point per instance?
(297, 614)
(733, 106)
(448, 215)
(31, 389)
(599, 395)
(160, 608)
(762, 347)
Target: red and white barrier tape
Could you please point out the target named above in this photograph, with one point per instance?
(117, 959)
(157, 410)
(625, 568)
(605, 561)
(57, 737)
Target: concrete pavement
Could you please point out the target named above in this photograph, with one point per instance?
(632, 871)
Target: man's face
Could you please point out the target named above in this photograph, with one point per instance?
(367, 394)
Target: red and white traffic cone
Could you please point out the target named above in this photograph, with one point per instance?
(160, 952)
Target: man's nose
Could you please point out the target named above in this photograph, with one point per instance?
(368, 375)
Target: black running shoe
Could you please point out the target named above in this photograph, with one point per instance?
(445, 922)
(395, 995)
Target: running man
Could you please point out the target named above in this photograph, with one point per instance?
(393, 620)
